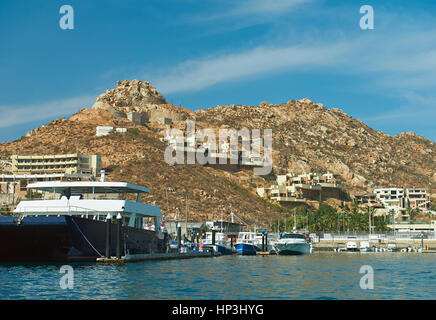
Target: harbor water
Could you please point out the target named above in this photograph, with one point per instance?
(320, 275)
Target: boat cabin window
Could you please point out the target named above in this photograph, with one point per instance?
(73, 196)
(138, 222)
(293, 236)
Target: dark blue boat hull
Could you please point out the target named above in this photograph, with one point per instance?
(224, 250)
(34, 239)
(89, 239)
(66, 238)
(246, 249)
(221, 249)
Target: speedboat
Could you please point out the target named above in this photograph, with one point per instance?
(351, 246)
(365, 247)
(392, 247)
(292, 243)
(81, 221)
(246, 243)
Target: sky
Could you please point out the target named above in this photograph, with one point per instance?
(204, 53)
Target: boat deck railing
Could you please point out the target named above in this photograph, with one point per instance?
(385, 236)
(58, 210)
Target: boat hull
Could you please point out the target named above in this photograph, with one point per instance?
(246, 249)
(34, 239)
(224, 250)
(89, 239)
(292, 248)
(67, 238)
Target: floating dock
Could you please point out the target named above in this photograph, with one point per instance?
(428, 251)
(266, 253)
(158, 256)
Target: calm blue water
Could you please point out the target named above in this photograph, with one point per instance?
(317, 276)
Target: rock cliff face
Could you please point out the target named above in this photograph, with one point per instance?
(309, 137)
(306, 137)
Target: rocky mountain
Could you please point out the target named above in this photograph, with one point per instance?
(306, 137)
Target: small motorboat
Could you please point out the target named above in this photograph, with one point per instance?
(365, 247)
(351, 246)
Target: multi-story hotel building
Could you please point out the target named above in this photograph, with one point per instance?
(59, 163)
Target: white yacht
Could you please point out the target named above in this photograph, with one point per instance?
(81, 220)
(293, 243)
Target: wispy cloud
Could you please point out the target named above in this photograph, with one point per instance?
(259, 7)
(389, 59)
(199, 74)
(231, 15)
(15, 115)
(416, 108)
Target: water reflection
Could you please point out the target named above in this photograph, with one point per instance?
(315, 276)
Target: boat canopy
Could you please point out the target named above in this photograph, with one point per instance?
(293, 236)
(83, 187)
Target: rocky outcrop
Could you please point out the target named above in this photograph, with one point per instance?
(139, 97)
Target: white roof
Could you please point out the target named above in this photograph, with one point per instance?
(87, 187)
(83, 206)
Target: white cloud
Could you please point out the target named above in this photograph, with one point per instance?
(393, 61)
(262, 7)
(244, 13)
(15, 115)
(416, 109)
(199, 74)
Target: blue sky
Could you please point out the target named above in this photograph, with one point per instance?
(204, 53)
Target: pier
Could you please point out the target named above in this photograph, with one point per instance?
(158, 256)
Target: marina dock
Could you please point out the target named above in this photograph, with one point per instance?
(159, 256)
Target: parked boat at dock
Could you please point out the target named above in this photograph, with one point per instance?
(292, 244)
(221, 245)
(75, 222)
(246, 243)
(365, 247)
(392, 247)
(351, 246)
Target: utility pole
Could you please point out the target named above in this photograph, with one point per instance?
(307, 220)
(168, 205)
(343, 220)
(186, 222)
(295, 221)
(369, 223)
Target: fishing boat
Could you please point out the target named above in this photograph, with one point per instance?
(81, 221)
(246, 243)
(220, 244)
(292, 244)
(365, 247)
